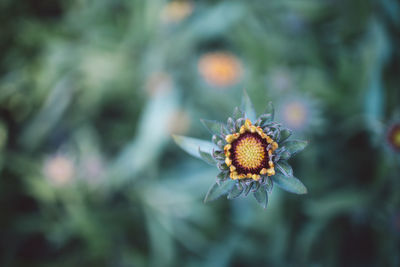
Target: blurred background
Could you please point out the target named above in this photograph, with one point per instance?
(91, 91)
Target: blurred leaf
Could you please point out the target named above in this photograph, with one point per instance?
(193, 145)
(153, 134)
(53, 109)
(290, 184)
(217, 191)
(285, 168)
(161, 242)
(336, 203)
(261, 196)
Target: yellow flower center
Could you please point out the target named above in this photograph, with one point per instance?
(250, 152)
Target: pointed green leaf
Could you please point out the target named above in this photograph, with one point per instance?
(284, 168)
(295, 146)
(192, 145)
(248, 107)
(207, 157)
(262, 197)
(236, 191)
(270, 110)
(285, 134)
(214, 127)
(217, 191)
(237, 113)
(290, 184)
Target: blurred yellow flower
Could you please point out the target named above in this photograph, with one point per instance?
(176, 11)
(393, 136)
(220, 69)
(59, 170)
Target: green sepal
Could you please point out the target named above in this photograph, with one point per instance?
(218, 190)
(263, 120)
(236, 191)
(284, 168)
(261, 196)
(239, 123)
(290, 184)
(269, 185)
(214, 127)
(285, 155)
(294, 146)
(207, 157)
(248, 107)
(216, 138)
(222, 176)
(270, 110)
(231, 125)
(285, 134)
(237, 113)
(193, 145)
(248, 188)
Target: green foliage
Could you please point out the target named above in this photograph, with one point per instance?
(91, 93)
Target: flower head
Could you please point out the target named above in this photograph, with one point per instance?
(250, 153)
(220, 69)
(393, 136)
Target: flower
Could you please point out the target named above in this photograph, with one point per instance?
(59, 170)
(220, 69)
(176, 11)
(248, 153)
(300, 113)
(251, 154)
(393, 136)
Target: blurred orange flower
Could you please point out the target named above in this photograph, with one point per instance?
(176, 11)
(220, 69)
